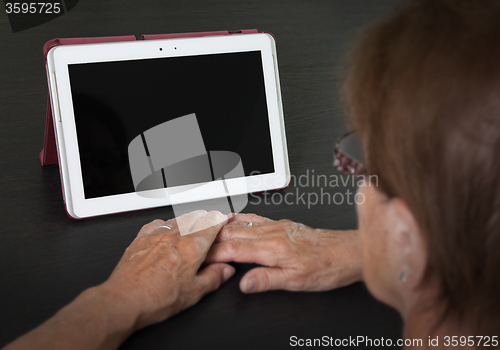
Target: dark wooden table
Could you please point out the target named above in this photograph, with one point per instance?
(46, 259)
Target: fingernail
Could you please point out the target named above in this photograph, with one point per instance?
(228, 272)
(249, 285)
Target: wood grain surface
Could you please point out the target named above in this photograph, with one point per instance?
(47, 259)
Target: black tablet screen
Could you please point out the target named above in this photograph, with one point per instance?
(116, 101)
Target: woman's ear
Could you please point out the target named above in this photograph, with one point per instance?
(410, 248)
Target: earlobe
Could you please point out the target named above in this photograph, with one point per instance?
(411, 251)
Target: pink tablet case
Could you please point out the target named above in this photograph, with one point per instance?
(48, 156)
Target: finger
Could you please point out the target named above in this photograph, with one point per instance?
(240, 229)
(150, 227)
(187, 221)
(254, 218)
(212, 276)
(243, 250)
(261, 279)
(210, 224)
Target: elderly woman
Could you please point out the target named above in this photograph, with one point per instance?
(423, 92)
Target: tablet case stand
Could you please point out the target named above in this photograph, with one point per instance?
(48, 156)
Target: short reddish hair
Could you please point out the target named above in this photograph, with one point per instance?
(423, 91)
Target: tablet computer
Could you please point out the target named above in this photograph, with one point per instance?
(117, 106)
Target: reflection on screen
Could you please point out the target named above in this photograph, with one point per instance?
(116, 101)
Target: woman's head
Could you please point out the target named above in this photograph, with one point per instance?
(424, 94)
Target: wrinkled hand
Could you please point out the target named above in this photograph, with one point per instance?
(298, 258)
(158, 275)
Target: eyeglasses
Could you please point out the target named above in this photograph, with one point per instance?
(348, 156)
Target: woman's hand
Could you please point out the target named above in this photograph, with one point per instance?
(158, 274)
(298, 258)
(156, 278)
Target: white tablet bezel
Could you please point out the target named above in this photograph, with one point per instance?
(60, 57)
